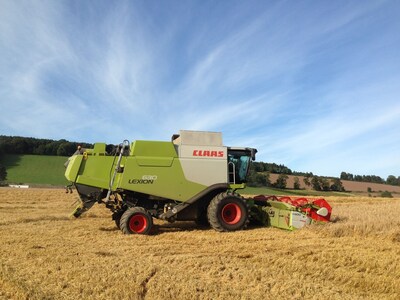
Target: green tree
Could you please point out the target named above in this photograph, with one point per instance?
(315, 183)
(337, 185)
(296, 183)
(358, 178)
(3, 174)
(66, 149)
(256, 179)
(386, 194)
(258, 166)
(324, 183)
(281, 181)
(346, 176)
(307, 181)
(392, 180)
(263, 179)
(251, 176)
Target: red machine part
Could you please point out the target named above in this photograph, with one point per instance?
(318, 204)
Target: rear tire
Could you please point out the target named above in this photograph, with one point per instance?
(228, 212)
(136, 220)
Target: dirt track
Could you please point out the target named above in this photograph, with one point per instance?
(46, 255)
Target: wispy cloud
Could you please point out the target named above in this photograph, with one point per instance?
(312, 85)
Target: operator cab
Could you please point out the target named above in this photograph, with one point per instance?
(239, 163)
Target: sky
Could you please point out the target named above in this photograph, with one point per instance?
(313, 85)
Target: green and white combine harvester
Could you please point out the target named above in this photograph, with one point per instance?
(193, 177)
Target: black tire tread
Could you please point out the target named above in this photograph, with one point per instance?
(124, 222)
(213, 208)
(117, 218)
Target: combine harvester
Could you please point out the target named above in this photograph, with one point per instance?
(191, 178)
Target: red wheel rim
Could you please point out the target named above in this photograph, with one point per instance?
(138, 223)
(231, 213)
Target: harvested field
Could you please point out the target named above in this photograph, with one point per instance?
(46, 255)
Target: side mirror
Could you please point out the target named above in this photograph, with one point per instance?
(253, 153)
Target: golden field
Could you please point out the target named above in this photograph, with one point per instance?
(47, 255)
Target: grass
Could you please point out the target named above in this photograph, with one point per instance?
(35, 169)
(354, 257)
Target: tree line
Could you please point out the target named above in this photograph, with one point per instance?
(263, 167)
(271, 168)
(318, 183)
(23, 145)
(277, 169)
(391, 179)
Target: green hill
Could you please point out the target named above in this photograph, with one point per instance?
(35, 169)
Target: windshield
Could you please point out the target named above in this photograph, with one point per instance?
(238, 165)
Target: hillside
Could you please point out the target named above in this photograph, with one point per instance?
(35, 169)
(351, 186)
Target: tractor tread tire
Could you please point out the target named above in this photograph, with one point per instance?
(117, 218)
(214, 212)
(135, 211)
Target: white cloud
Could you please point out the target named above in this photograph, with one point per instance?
(300, 83)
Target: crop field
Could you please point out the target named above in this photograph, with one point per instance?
(46, 255)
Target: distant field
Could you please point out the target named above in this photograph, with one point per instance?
(35, 169)
(352, 186)
(46, 255)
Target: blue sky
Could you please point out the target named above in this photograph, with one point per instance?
(314, 85)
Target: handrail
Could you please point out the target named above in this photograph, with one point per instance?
(232, 173)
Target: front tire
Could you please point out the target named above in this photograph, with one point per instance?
(136, 220)
(228, 212)
(117, 218)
